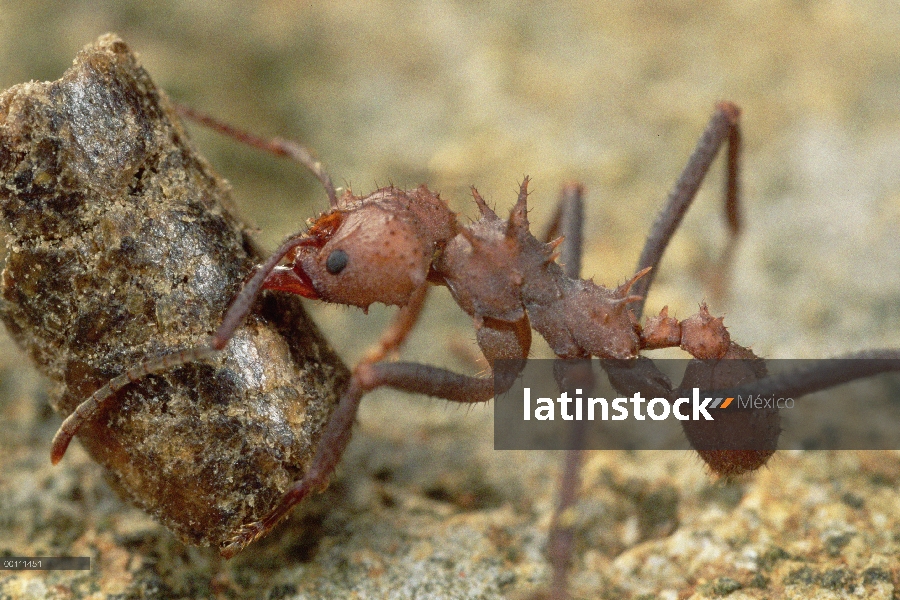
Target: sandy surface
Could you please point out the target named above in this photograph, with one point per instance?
(483, 93)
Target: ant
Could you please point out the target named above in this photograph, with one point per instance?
(391, 245)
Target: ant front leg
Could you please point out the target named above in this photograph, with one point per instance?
(723, 127)
(236, 313)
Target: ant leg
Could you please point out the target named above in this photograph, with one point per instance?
(417, 378)
(824, 374)
(277, 146)
(330, 449)
(568, 222)
(722, 127)
(239, 308)
(395, 335)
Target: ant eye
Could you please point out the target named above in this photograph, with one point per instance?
(336, 262)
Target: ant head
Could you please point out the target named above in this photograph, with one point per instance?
(373, 249)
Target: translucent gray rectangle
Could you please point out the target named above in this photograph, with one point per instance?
(45, 563)
(752, 405)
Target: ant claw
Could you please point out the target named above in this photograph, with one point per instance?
(245, 536)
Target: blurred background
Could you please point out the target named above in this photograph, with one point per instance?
(455, 94)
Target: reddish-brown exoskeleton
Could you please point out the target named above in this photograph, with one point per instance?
(390, 245)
